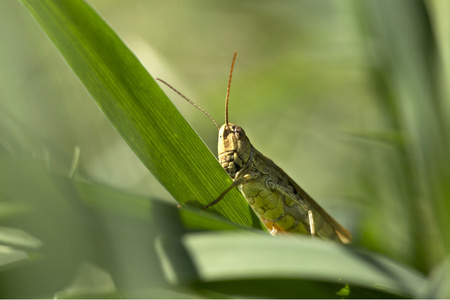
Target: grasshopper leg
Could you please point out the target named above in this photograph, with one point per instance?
(312, 228)
(274, 231)
(233, 185)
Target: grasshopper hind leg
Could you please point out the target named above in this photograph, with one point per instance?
(312, 228)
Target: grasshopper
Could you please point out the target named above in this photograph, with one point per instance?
(281, 204)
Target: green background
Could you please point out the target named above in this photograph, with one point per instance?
(350, 98)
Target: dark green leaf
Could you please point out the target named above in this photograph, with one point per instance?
(239, 257)
(137, 108)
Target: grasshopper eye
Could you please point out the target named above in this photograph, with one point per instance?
(238, 132)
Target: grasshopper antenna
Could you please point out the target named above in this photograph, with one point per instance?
(186, 98)
(228, 89)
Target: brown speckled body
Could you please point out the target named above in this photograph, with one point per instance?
(280, 203)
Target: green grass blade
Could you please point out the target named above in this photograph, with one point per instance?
(64, 223)
(104, 199)
(411, 179)
(258, 259)
(137, 108)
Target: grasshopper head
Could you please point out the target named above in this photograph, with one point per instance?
(234, 148)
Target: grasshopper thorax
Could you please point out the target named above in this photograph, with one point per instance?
(234, 148)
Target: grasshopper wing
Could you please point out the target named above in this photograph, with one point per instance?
(323, 220)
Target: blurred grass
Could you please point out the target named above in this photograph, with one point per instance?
(138, 109)
(413, 180)
(349, 98)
